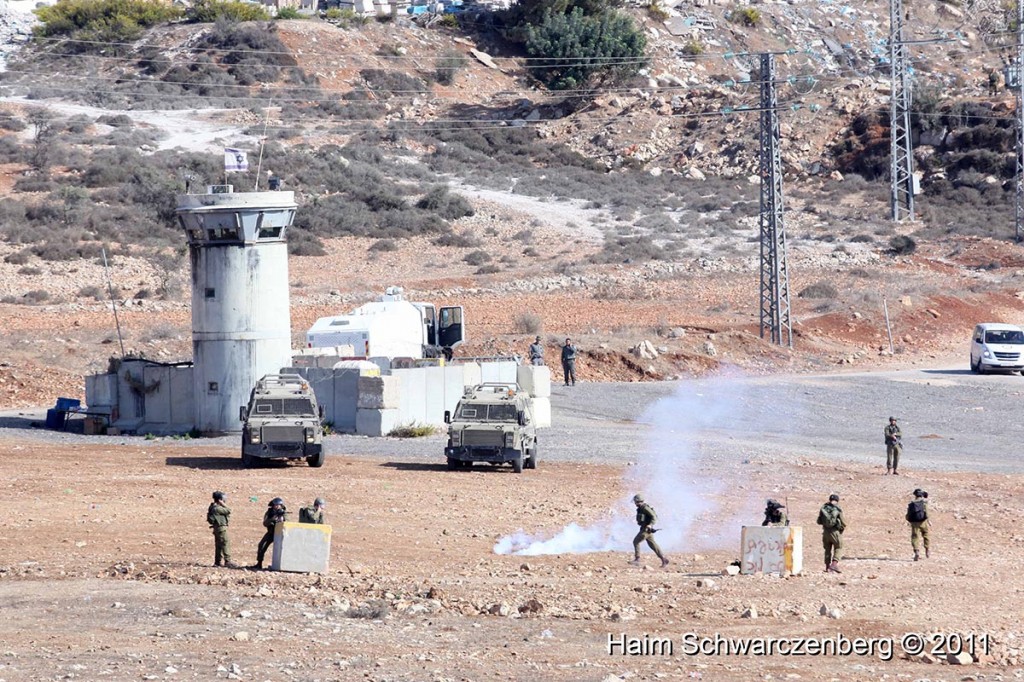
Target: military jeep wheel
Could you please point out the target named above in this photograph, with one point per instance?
(316, 460)
(248, 461)
(531, 462)
(517, 463)
(454, 464)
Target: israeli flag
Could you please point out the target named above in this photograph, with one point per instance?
(235, 161)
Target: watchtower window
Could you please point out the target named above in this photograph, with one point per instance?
(210, 292)
(213, 387)
(224, 234)
(269, 233)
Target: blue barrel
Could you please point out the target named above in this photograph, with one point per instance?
(55, 419)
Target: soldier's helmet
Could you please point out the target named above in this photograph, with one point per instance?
(892, 419)
(773, 504)
(919, 493)
(218, 495)
(833, 498)
(320, 502)
(638, 498)
(276, 501)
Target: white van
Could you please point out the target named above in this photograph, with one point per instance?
(997, 347)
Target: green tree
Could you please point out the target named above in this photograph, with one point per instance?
(103, 20)
(532, 12)
(209, 11)
(578, 51)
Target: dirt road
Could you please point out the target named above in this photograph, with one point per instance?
(105, 555)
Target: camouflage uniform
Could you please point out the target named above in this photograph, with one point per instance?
(993, 82)
(919, 529)
(270, 521)
(569, 363)
(893, 446)
(218, 516)
(311, 514)
(645, 518)
(537, 352)
(832, 538)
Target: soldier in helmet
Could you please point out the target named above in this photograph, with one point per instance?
(773, 514)
(274, 515)
(893, 446)
(832, 523)
(645, 518)
(218, 516)
(917, 517)
(313, 513)
(537, 352)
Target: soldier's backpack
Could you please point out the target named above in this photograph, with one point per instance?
(306, 515)
(829, 518)
(916, 512)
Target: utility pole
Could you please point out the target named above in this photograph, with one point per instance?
(775, 318)
(901, 155)
(1016, 81)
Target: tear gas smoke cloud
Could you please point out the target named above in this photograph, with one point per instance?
(665, 475)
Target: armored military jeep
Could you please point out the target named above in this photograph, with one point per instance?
(492, 423)
(282, 421)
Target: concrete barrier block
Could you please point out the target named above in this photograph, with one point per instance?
(542, 412)
(302, 547)
(379, 393)
(377, 422)
(772, 549)
(535, 380)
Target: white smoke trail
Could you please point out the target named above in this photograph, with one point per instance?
(665, 475)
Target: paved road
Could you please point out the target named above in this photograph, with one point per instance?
(951, 419)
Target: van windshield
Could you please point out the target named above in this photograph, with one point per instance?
(1005, 336)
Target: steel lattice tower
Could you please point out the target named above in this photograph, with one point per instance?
(775, 319)
(1017, 83)
(901, 154)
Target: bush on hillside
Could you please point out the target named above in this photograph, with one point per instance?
(209, 11)
(448, 65)
(102, 21)
(577, 51)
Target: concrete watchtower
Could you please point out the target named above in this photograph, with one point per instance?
(241, 325)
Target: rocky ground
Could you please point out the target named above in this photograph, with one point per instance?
(105, 568)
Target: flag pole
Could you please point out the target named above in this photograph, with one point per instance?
(263, 141)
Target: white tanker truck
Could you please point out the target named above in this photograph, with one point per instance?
(392, 327)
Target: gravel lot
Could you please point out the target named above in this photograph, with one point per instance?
(952, 420)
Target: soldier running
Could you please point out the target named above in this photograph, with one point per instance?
(893, 447)
(218, 516)
(830, 518)
(645, 518)
(275, 514)
(917, 516)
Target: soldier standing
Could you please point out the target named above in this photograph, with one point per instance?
(313, 513)
(773, 514)
(537, 352)
(993, 82)
(645, 518)
(275, 514)
(917, 516)
(830, 518)
(218, 516)
(893, 447)
(569, 362)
